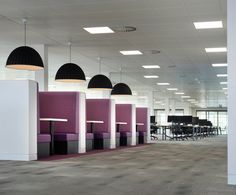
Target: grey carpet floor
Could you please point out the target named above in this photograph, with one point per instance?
(165, 168)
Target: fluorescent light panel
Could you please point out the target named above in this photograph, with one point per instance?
(163, 83)
(172, 89)
(216, 49)
(208, 25)
(150, 66)
(222, 75)
(179, 93)
(131, 52)
(224, 83)
(151, 76)
(185, 96)
(225, 88)
(99, 30)
(220, 65)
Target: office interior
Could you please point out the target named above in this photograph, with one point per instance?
(117, 97)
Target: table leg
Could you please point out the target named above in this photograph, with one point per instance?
(117, 127)
(51, 128)
(91, 127)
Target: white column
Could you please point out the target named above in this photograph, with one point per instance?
(150, 102)
(231, 36)
(41, 76)
(167, 107)
(113, 124)
(133, 125)
(148, 127)
(18, 119)
(82, 123)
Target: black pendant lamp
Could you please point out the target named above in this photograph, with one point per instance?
(70, 72)
(100, 81)
(121, 88)
(24, 57)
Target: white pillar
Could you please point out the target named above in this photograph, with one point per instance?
(231, 36)
(41, 76)
(167, 107)
(18, 119)
(82, 123)
(133, 125)
(113, 125)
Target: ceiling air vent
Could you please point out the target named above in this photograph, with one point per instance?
(124, 29)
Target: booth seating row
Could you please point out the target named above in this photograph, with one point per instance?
(87, 124)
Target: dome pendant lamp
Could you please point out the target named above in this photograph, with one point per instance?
(70, 72)
(24, 57)
(121, 88)
(100, 81)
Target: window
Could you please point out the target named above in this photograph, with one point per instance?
(179, 112)
(218, 118)
(161, 117)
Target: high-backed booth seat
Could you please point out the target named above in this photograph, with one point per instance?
(124, 114)
(99, 110)
(43, 147)
(142, 117)
(63, 105)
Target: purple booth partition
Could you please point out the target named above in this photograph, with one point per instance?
(142, 118)
(124, 114)
(63, 105)
(43, 139)
(99, 110)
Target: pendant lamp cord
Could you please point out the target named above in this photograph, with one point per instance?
(24, 22)
(69, 51)
(100, 68)
(121, 73)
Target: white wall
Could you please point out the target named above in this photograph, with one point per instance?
(18, 119)
(231, 35)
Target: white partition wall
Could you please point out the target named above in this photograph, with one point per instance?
(18, 119)
(82, 123)
(133, 125)
(231, 91)
(113, 124)
(148, 127)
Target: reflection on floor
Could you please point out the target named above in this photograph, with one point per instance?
(165, 168)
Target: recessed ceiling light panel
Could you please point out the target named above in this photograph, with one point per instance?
(98, 30)
(151, 76)
(172, 89)
(222, 75)
(163, 83)
(216, 49)
(131, 52)
(151, 66)
(208, 25)
(220, 65)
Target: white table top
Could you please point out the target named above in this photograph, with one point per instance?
(95, 122)
(54, 119)
(121, 123)
(139, 123)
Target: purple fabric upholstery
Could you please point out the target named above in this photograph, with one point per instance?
(42, 138)
(142, 117)
(117, 135)
(124, 114)
(60, 105)
(101, 135)
(125, 134)
(89, 136)
(65, 137)
(142, 133)
(99, 110)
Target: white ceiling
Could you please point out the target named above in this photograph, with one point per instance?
(165, 25)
